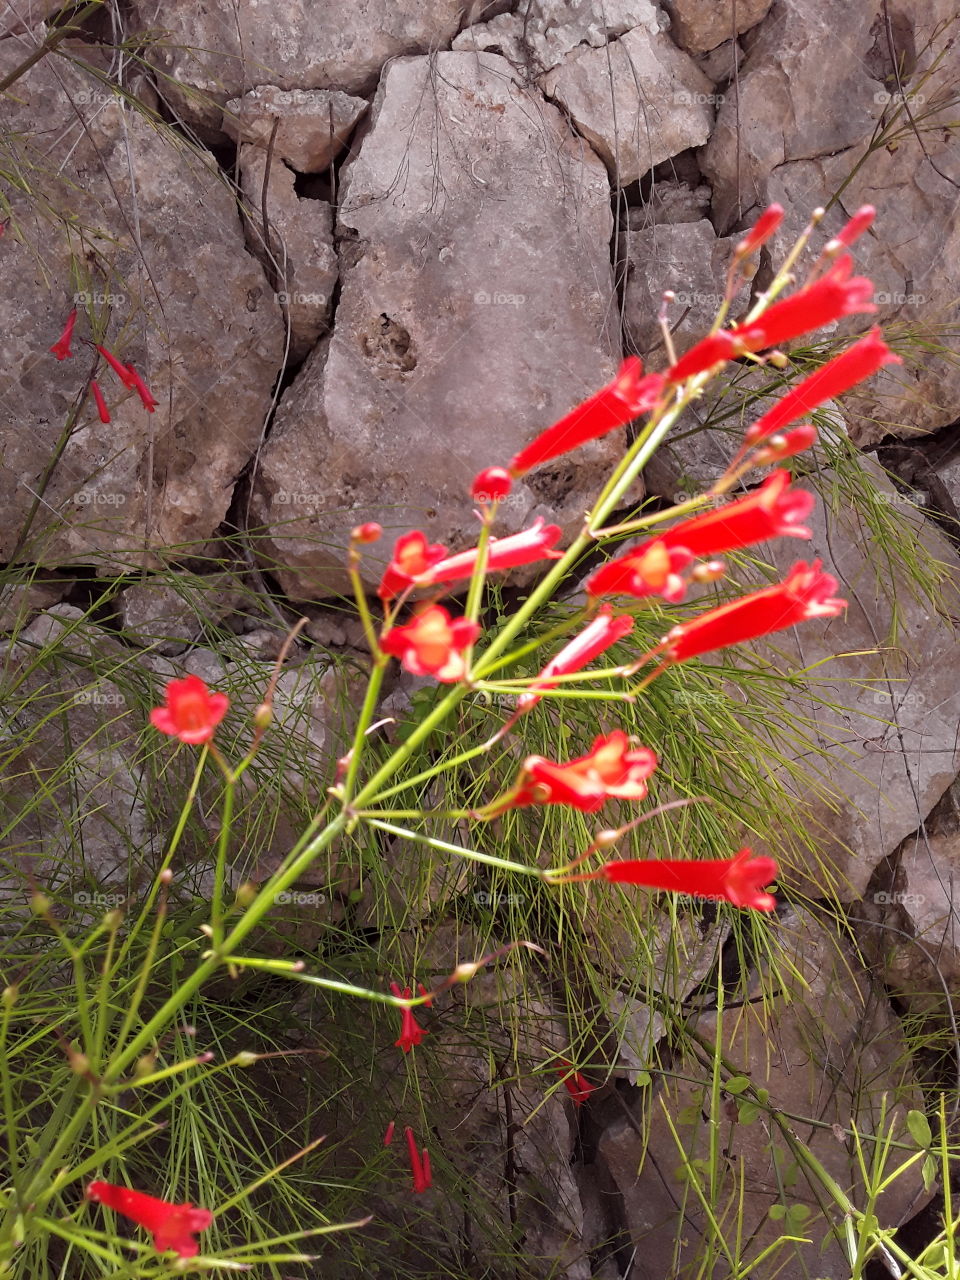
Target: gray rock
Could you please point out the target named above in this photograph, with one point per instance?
(303, 263)
(700, 25)
(314, 123)
(213, 53)
(167, 614)
(453, 346)
(638, 101)
(803, 93)
(834, 1070)
(187, 307)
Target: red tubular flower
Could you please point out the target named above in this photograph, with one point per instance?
(762, 230)
(121, 370)
(172, 1226)
(419, 1164)
(192, 712)
(410, 1033)
(367, 533)
(772, 511)
(717, 348)
(806, 593)
(502, 553)
(593, 640)
(388, 1136)
(738, 880)
(433, 644)
(61, 348)
(101, 404)
(412, 557)
(608, 770)
(855, 228)
(652, 569)
(577, 1085)
(491, 485)
(834, 295)
(858, 362)
(143, 390)
(786, 445)
(614, 405)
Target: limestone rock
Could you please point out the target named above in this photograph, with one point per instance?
(187, 307)
(546, 32)
(833, 1070)
(314, 123)
(803, 93)
(217, 50)
(700, 25)
(304, 263)
(167, 614)
(689, 259)
(453, 346)
(638, 101)
(20, 600)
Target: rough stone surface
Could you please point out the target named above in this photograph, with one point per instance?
(167, 616)
(452, 346)
(803, 93)
(216, 51)
(188, 308)
(892, 745)
(638, 101)
(543, 34)
(304, 137)
(835, 1070)
(304, 262)
(688, 259)
(700, 25)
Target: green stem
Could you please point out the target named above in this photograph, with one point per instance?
(363, 724)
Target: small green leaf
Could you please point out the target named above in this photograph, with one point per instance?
(919, 1128)
(777, 1212)
(930, 1170)
(737, 1084)
(747, 1112)
(643, 1079)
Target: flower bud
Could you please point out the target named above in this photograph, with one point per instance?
(709, 571)
(491, 485)
(365, 533)
(263, 716)
(785, 444)
(246, 893)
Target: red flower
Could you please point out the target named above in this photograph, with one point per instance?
(433, 644)
(860, 361)
(142, 390)
(652, 569)
(121, 370)
(714, 349)
(410, 1033)
(491, 485)
(61, 348)
(619, 402)
(593, 640)
(412, 557)
(102, 409)
(192, 712)
(171, 1225)
(608, 770)
(786, 445)
(806, 593)
(855, 228)
(762, 230)
(834, 295)
(388, 1136)
(772, 511)
(367, 533)
(419, 1164)
(738, 880)
(502, 553)
(577, 1085)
